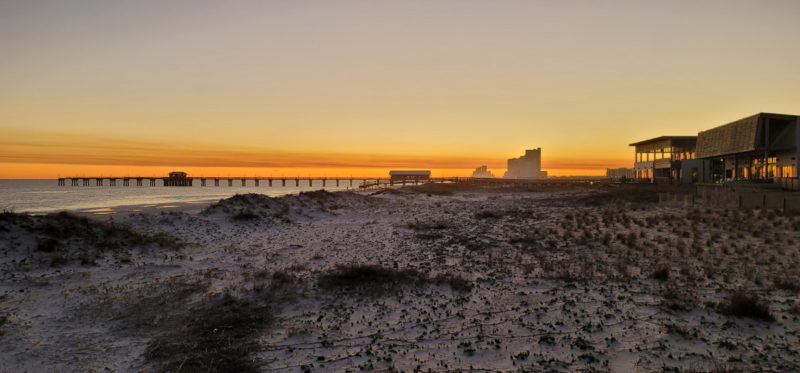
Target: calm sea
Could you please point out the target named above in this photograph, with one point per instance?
(38, 196)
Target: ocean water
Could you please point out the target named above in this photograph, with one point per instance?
(40, 196)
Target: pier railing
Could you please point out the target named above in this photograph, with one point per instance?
(244, 181)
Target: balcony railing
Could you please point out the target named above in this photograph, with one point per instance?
(790, 183)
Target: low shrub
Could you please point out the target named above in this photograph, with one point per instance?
(422, 226)
(48, 245)
(367, 276)
(377, 279)
(455, 282)
(488, 214)
(744, 304)
(660, 274)
(221, 336)
(788, 284)
(245, 215)
(676, 299)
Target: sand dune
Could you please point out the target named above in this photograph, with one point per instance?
(439, 278)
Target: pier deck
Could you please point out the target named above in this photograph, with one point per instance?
(244, 181)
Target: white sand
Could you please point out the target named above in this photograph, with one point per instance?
(549, 293)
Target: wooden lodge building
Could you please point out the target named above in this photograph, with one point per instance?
(762, 148)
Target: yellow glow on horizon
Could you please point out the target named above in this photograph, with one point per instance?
(26, 154)
(52, 171)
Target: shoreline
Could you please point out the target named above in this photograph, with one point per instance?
(124, 210)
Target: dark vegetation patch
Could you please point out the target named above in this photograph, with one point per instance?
(320, 195)
(64, 237)
(64, 226)
(791, 284)
(471, 242)
(744, 304)
(678, 298)
(429, 236)
(660, 274)
(279, 285)
(220, 335)
(254, 206)
(525, 241)
(245, 215)
(374, 279)
(251, 206)
(428, 226)
(9, 219)
(488, 214)
(3, 317)
(455, 282)
(190, 331)
(625, 194)
(150, 308)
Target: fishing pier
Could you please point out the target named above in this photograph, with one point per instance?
(245, 181)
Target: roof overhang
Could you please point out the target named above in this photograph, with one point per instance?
(664, 138)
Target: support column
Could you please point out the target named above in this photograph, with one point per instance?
(256, 182)
(724, 168)
(797, 157)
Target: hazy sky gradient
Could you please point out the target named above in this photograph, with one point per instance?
(333, 84)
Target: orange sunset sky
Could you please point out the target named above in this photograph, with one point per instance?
(341, 88)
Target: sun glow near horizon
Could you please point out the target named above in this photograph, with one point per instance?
(45, 156)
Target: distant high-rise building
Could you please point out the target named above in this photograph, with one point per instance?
(482, 172)
(528, 166)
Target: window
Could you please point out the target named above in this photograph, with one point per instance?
(788, 171)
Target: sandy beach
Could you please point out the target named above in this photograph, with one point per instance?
(428, 278)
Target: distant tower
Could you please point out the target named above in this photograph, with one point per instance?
(528, 166)
(482, 172)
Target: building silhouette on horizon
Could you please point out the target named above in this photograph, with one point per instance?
(528, 166)
(482, 172)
